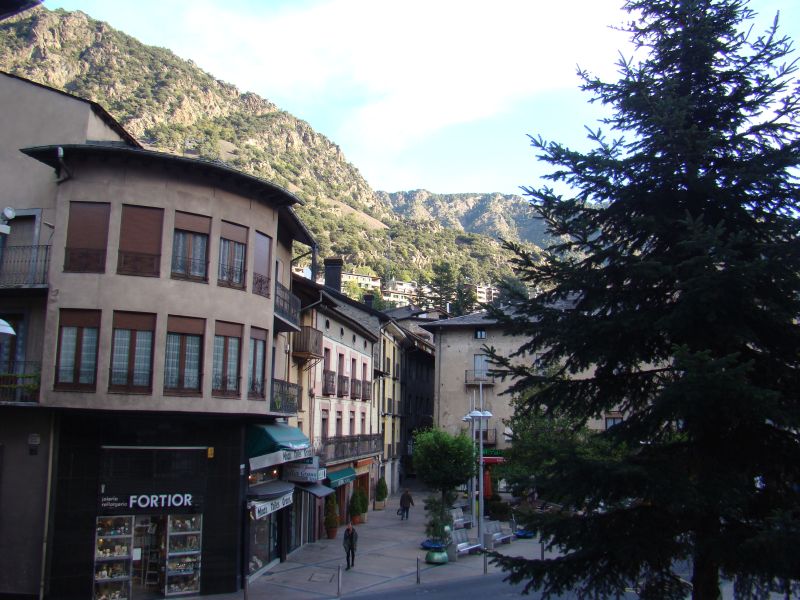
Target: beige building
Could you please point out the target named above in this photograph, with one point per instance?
(147, 412)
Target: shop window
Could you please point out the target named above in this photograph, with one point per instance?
(183, 355)
(225, 369)
(262, 251)
(132, 352)
(77, 349)
(87, 237)
(232, 252)
(140, 241)
(256, 363)
(190, 247)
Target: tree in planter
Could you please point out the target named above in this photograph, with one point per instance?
(673, 292)
(331, 515)
(381, 490)
(359, 503)
(442, 461)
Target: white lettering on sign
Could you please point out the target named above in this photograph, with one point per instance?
(159, 500)
(277, 458)
(262, 509)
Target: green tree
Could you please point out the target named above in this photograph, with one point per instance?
(443, 285)
(673, 294)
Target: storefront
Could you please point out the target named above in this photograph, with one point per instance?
(339, 481)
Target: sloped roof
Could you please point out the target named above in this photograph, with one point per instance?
(475, 319)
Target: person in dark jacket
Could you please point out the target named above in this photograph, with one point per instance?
(349, 541)
(406, 502)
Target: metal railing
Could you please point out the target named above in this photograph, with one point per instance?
(230, 276)
(342, 386)
(20, 382)
(261, 285)
(287, 305)
(285, 397)
(308, 341)
(255, 389)
(328, 382)
(366, 390)
(85, 260)
(489, 436)
(222, 385)
(24, 265)
(138, 263)
(350, 446)
(184, 267)
(478, 376)
(355, 389)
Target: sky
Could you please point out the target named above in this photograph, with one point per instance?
(419, 94)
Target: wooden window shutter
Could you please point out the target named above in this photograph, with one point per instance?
(233, 232)
(141, 229)
(261, 254)
(192, 222)
(188, 325)
(88, 225)
(134, 320)
(227, 329)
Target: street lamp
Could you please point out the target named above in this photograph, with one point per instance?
(479, 416)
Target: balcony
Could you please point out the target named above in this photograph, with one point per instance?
(261, 285)
(307, 343)
(85, 260)
(328, 382)
(231, 276)
(489, 436)
(255, 389)
(19, 382)
(350, 447)
(355, 389)
(24, 266)
(478, 377)
(285, 397)
(222, 385)
(287, 309)
(366, 390)
(342, 386)
(138, 263)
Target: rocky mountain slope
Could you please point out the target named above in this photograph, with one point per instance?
(170, 104)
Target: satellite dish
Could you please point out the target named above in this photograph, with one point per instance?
(9, 213)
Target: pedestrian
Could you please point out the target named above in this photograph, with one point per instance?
(349, 542)
(406, 502)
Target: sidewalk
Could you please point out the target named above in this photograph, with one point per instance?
(386, 559)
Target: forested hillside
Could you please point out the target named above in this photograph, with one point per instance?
(170, 104)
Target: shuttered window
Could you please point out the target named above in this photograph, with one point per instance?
(232, 253)
(87, 237)
(190, 246)
(140, 241)
(132, 352)
(183, 355)
(78, 334)
(227, 348)
(256, 363)
(262, 253)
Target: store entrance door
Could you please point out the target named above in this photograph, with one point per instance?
(150, 544)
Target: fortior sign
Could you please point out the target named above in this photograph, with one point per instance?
(304, 472)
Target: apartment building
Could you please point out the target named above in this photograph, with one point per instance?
(147, 425)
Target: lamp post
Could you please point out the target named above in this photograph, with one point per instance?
(471, 487)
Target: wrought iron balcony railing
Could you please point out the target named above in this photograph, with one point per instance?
(308, 342)
(355, 389)
(24, 265)
(85, 260)
(328, 382)
(138, 263)
(342, 386)
(184, 267)
(222, 385)
(285, 397)
(478, 377)
(489, 436)
(231, 276)
(346, 447)
(261, 285)
(366, 390)
(255, 389)
(287, 305)
(20, 381)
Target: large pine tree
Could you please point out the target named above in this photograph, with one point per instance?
(674, 296)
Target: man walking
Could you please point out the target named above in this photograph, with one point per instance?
(349, 542)
(406, 502)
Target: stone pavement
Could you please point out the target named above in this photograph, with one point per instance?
(386, 559)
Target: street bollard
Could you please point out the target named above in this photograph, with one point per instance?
(485, 563)
(418, 570)
(541, 548)
(339, 581)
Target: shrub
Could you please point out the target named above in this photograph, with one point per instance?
(331, 512)
(381, 491)
(359, 503)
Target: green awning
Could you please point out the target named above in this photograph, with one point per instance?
(338, 478)
(265, 439)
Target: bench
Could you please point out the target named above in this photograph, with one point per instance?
(459, 522)
(464, 544)
(499, 533)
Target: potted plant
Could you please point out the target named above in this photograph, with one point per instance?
(437, 528)
(331, 516)
(358, 505)
(381, 492)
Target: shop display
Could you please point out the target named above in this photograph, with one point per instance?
(184, 543)
(112, 558)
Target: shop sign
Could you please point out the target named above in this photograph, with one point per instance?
(279, 457)
(305, 473)
(149, 502)
(261, 509)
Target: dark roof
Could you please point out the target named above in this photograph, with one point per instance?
(220, 174)
(96, 108)
(339, 297)
(472, 320)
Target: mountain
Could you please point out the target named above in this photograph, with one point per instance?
(172, 105)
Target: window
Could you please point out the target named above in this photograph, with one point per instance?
(183, 355)
(140, 241)
(324, 424)
(77, 349)
(481, 364)
(257, 361)
(261, 261)
(611, 421)
(352, 423)
(232, 251)
(480, 334)
(338, 423)
(132, 352)
(190, 247)
(225, 373)
(363, 422)
(87, 237)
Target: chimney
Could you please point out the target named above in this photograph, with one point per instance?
(333, 273)
(368, 299)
